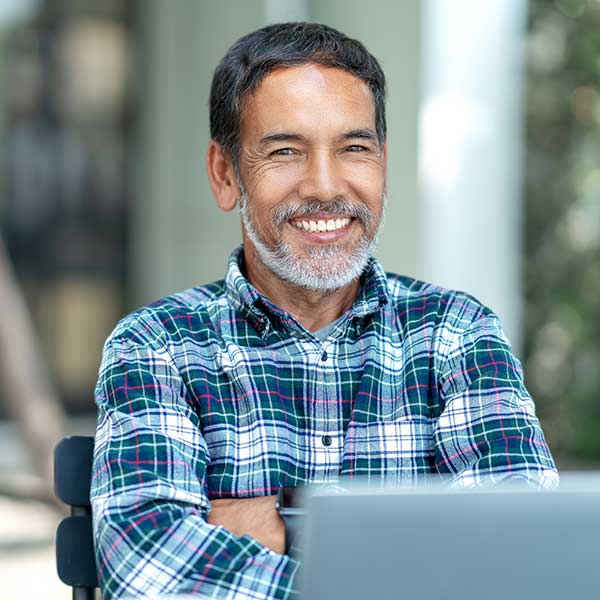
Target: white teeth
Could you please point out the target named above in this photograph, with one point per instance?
(321, 225)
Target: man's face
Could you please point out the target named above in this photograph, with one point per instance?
(313, 175)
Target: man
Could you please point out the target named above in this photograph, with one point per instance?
(307, 363)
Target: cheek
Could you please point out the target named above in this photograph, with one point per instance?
(274, 183)
(264, 197)
(368, 184)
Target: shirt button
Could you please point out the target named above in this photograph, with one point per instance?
(324, 356)
(326, 440)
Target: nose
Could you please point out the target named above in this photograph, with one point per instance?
(323, 178)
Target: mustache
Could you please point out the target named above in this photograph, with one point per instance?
(335, 208)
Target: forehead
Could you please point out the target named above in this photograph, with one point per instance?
(309, 97)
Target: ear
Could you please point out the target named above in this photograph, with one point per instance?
(385, 159)
(221, 177)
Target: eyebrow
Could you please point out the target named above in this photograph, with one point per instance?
(285, 136)
(280, 136)
(365, 134)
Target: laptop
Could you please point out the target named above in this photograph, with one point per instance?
(438, 543)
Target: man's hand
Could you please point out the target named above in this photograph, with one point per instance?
(256, 517)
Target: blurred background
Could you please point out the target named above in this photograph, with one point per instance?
(494, 185)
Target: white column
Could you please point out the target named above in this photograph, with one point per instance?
(470, 151)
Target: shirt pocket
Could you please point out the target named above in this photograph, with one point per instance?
(394, 451)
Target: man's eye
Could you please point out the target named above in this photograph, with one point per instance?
(356, 148)
(283, 152)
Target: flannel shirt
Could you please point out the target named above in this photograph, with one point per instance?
(216, 392)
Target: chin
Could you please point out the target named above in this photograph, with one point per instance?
(323, 269)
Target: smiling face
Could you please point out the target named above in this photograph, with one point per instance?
(313, 175)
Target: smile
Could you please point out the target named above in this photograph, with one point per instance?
(321, 224)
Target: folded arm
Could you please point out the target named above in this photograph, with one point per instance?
(152, 518)
(256, 517)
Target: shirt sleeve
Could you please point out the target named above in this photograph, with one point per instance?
(487, 431)
(149, 496)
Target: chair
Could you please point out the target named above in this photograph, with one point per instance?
(75, 554)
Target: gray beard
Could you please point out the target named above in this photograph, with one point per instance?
(326, 268)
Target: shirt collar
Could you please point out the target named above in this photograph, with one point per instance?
(373, 293)
(240, 292)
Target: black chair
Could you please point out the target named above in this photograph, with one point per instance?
(75, 555)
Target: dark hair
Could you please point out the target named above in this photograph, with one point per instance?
(259, 53)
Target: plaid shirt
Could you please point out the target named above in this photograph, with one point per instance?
(216, 392)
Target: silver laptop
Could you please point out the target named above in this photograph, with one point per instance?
(437, 543)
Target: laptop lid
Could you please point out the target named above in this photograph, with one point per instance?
(440, 543)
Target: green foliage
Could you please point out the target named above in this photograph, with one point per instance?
(562, 225)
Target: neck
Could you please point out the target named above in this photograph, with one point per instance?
(313, 309)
